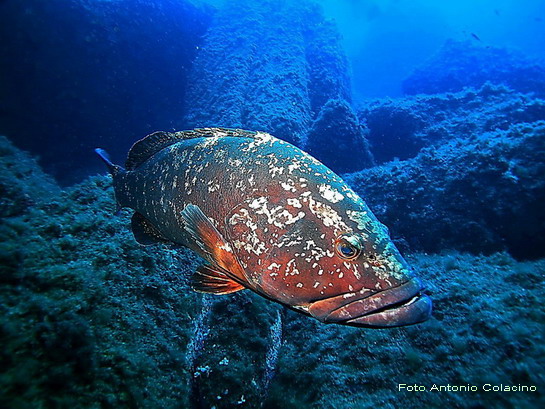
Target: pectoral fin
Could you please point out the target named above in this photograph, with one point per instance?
(210, 244)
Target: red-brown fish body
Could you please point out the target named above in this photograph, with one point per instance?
(267, 216)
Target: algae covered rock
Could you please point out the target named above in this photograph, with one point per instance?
(72, 323)
(269, 66)
(278, 67)
(90, 318)
(338, 140)
(22, 181)
(477, 194)
(401, 127)
(460, 64)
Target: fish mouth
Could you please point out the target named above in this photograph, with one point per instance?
(394, 307)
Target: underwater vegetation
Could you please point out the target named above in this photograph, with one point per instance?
(91, 319)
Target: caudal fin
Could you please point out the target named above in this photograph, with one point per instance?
(103, 155)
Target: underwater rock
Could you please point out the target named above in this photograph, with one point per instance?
(486, 329)
(72, 324)
(338, 140)
(266, 65)
(88, 318)
(460, 64)
(86, 73)
(89, 315)
(22, 182)
(482, 193)
(328, 72)
(81, 72)
(401, 127)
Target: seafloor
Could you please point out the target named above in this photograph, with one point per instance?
(91, 319)
(455, 168)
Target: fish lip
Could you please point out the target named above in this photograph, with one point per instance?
(413, 311)
(397, 306)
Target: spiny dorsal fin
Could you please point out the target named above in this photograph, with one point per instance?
(207, 279)
(210, 244)
(144, 232)
(148, 146)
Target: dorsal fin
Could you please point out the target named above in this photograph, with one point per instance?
(220, 132)
(148, 146)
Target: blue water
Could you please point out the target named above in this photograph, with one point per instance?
(432, 111)
(87, 72)
(386, 40)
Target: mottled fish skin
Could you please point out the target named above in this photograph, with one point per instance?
(283, 215)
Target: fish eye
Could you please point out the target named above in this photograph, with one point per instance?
(348, 246)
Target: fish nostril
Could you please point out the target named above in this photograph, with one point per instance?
(373, 260)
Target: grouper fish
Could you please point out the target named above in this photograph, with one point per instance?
(268, 217)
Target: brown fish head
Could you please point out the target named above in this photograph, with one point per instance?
(333, 261)
(386, 292)
(377, 286)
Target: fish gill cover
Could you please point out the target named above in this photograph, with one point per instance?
(454, 167)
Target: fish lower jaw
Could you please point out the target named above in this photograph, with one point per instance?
(416, 310)
(394, 307)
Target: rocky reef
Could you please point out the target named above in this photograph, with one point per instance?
(82, 73)
(459, 170)
(399, 128)
(277, 66)
(338, 139)
(477, 194)
(91, 319)
(73, 328)
(87, 73)
(460, 64)
(22, 181)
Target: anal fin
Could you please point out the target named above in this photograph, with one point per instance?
(144, 232)
(209, 280)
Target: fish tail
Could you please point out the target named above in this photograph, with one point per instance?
(117, 172)
(113, 169)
